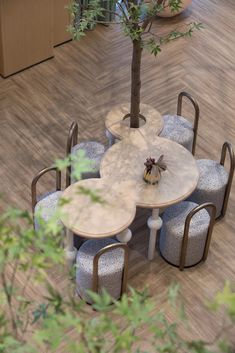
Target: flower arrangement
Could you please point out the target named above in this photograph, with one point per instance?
(153, 170)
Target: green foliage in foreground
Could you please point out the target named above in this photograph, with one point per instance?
(32, 322)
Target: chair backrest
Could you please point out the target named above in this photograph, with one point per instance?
(71, 141)
(189, 217)
(196, 114)
(36, 179)
(107, 248)
(227, 147)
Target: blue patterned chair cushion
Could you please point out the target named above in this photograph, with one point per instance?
(110, 268)
(93, 151)
(213, 179)
(46, 206)
(178, 129)
(172, 231)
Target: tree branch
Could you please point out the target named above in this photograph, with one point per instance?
(123, 11)
(108, 22)
(112, 12)
(30, 272)
(14, 272)
(126, 4)
(9, 302)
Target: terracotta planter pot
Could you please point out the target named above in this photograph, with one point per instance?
(167, 12)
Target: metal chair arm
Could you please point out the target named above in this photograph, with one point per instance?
(71, 141)
(36, 179)
(196, 115)
(187, 227)
(227, 147)
(96, 265)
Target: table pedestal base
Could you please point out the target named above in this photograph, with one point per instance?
(154, 224)
(124, 236)
(70, 250)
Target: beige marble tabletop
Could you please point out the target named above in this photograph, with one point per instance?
(124, 161)
(84, 216)
(121, 189)
(120, 128)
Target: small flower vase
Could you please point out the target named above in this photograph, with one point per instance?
(152, 176)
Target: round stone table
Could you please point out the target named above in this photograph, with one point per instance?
(124, 162)
(97, 208)
(94, 208)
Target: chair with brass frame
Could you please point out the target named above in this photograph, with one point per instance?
(186, 233)
(215, 181)
(102, 263)
(93, 151)
(179, 129)
(45, 206)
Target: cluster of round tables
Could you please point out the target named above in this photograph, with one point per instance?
(121, 188)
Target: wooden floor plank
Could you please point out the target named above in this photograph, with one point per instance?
(83, 82)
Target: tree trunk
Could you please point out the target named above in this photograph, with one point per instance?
(135, 84)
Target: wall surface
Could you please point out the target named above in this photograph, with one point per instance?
(1, 52)
(26, 33)
(61, 21)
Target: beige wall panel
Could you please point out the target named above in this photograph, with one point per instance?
(26, 33)
(1, 52)
(61, 21)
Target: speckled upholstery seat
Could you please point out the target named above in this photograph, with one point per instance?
(179, 129)
(214, 181)
(182, 246)
(111, 138)
(93, 151)
(110, 268)
(44, 207)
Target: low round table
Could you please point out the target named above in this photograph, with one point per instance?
(124, 162)
(95, 208)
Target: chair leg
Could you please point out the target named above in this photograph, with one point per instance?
(70, 250)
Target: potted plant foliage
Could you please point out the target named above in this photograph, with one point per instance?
(135, 18)
(168, 13)
(153, 170)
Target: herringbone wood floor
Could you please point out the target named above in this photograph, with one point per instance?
(82, 82)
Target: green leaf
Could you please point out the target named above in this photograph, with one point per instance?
(62, 164)
(101, 302)
(173, 293)
(39, 313)
(94, 195)
(225, 298)
(198, 347)
(224, 346)
(63, 201)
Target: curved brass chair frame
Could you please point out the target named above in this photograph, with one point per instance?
(184, 245)
(36, 179)
(227, 147)
(196, 116)
(72, 140)
(95, 284)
